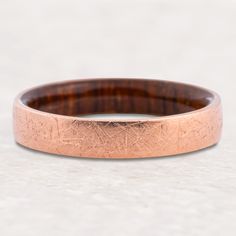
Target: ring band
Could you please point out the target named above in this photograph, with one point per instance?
(50, 118)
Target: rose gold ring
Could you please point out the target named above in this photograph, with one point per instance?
(50, 118)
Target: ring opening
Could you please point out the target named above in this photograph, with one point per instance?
(109, 96)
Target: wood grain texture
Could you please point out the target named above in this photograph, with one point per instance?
(117, 96)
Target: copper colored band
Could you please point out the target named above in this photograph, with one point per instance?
(50, 118)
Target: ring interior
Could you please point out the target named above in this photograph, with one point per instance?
(109, 96)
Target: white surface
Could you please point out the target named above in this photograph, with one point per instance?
(188, 41)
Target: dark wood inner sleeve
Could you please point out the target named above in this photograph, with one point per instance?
(117, 96)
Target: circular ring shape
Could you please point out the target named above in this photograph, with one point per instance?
(50, 118)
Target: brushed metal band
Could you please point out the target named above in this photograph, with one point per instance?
(49, 118)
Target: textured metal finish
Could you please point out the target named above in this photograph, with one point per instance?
(82, 137)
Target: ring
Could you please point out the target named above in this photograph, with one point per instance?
(52, 118)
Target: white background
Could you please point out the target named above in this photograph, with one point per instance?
(52, 40)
